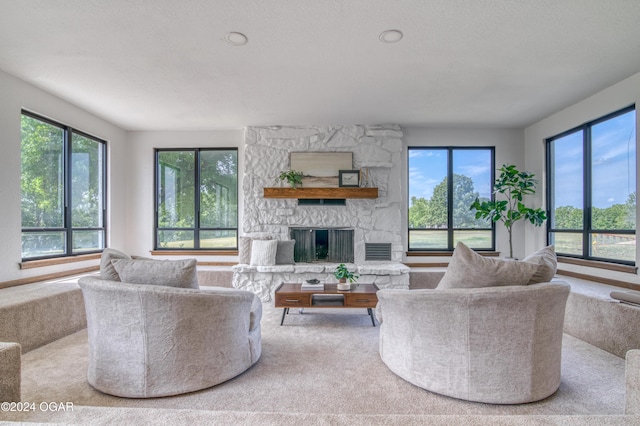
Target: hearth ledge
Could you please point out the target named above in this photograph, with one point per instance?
(263, 280)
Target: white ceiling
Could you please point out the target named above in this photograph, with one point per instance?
(164, 64)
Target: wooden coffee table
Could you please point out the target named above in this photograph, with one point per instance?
(289, 295)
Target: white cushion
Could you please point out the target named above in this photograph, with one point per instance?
(630, 297)
(468, 269)
(170, 273)
(547, 262)
(263, 252)
(244, 248)
(107, 271)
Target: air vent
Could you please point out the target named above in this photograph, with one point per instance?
(377, 251)
(322, 202)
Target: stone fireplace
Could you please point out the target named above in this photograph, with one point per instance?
(377, 149)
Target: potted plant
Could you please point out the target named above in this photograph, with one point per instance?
(513, 185)
(343, 275)
(293, 177)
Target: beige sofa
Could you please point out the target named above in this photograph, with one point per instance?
(150, 340)
(499, 345)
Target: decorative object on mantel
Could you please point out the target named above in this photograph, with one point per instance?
(343, 275)
(321, 169)
(293, 177)
(513, 185)
(349, 178)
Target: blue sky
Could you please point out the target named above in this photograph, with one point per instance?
(613, 161)
(613, 164)
(428, 167)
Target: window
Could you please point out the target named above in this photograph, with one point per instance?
(196, 199)
(63, 190)
(592, 189)
(443, 183)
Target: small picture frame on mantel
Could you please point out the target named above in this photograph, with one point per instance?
(349, 178)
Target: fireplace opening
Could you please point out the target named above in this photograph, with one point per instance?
(322, 245)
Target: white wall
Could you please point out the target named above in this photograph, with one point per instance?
(140, 183)
(611, 99)
(18, 95)
(508, 145)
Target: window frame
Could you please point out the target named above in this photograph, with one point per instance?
(196, 228)
(67, 173)
(587, 204)
(450, 194)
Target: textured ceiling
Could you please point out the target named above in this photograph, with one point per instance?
(164, 64)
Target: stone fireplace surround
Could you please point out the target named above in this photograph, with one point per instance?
(378, 148)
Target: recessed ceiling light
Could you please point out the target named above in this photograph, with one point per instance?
(236, 39)
(391, 36)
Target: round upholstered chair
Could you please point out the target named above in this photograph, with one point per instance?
(150, 340)
(499, 345)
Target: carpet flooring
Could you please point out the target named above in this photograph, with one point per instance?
(320, 367)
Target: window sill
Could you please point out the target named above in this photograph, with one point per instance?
(599, 264)
(30, 264)
(194, 252)
(448, 253)
(414, 253)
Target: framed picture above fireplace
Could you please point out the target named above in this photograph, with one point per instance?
(320, 169)
(349, 178)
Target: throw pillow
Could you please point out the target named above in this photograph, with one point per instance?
(547, 262)
(284, 252)
(263, 252)
(632, 298)
(244, 248)
(170, 273)
(468, 269)
(107, 271)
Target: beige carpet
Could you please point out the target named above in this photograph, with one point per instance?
(321, 367)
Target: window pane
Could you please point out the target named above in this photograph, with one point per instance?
(567, 179)
(219, 189)
(613, 186)
(87, 241)
(40, 244)
(474, 239)
(86, 183)
(471, 180)
(428, 240)
(176, 204)
(566, 243)
(218, 239)
(176, 239)
(614, 246)
(41, 181)
(427, 190)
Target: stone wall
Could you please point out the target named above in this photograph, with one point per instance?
(377, 148)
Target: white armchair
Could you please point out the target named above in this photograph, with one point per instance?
(499, 345)
(150, 341)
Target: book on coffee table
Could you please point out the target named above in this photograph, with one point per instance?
(309, 286)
